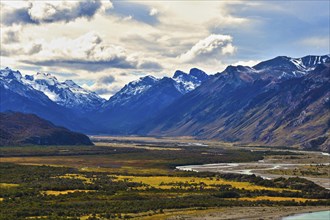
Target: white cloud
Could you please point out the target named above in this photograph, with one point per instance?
(213, 45)
(317, 41)
(249, 63)
(10, 35)
(228, 49)
(37, 12)
(153, 37)
(128, 18)
(85, 52)
(107, 84)
(14, 4)
(153, 12)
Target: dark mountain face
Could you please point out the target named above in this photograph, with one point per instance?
(130, 91)
(143, 99)
(199, 74)
(16, 96)
(124, 115)
(286, 67)
(23, 129)
(245, 105)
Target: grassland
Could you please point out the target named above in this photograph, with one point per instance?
(8, 185)
(125, 160)
(112, 181)
(183, 182)
(63, 192)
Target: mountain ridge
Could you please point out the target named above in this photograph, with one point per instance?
(246, 104)
(252, 111)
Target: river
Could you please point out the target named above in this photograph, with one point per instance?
(324, 215)
(257, 168)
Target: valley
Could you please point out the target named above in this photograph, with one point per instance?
(154, 110)
(282, 101)
(124, 177)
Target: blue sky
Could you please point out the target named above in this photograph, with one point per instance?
(93, 40)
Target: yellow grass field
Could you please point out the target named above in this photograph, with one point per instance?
(159, 181)
(85, 179)
(95, 164)
(8, 185)
(127, 170)
(56, 193)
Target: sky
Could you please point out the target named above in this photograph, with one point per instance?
(102, 45)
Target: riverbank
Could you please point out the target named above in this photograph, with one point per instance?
(313, 166)
(251, 213)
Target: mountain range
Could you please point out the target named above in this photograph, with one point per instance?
(254, 105)
(141, 100)
(282, 101)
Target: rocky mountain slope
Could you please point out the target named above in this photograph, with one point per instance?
(268, 104)
(67, 93)
(38, 94)
(24, 129)
(143, 99)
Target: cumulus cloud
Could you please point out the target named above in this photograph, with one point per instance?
(88, 52)
(9, 36)
(85, 52)
(20, 50)
(37, 12)
(103, 85)
(150, 65)
(106, 79)
(153, 12)
(34, 48)
(128, 18)
(106, 84)
(210, 47)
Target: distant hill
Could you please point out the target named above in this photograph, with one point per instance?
(24, 129)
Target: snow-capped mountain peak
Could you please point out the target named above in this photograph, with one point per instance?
(70, 83)
(10, 74)
(146, 79)
(181, 81)
(132, 89)
(188, 82)
(66, 93)
(138, 86)
(13, 82)
(283, 67)
(45, 78)
(309, 62)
